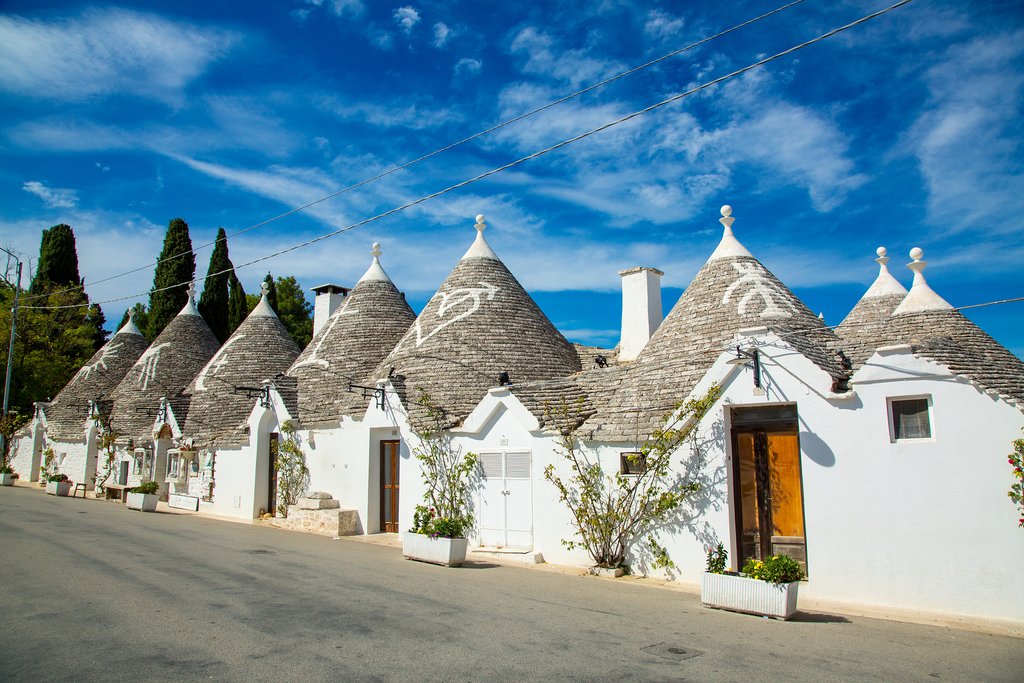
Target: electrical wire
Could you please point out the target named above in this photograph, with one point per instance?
(449, 146)
(521, 160)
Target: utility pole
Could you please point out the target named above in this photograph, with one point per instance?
(10, 352)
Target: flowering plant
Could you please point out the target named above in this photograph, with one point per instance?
(774, 569)
(425, 521)
(1016, 492)
(717, 557)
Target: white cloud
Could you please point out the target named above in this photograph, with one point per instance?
(382, 39)
(405, 115)
(442, 33)
(547, 59)
(102, 52)
(406, 17)
(967, 140)
(468, 66)
(661, 25)
(343, 8)
(54, 198)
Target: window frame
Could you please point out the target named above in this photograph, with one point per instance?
(625, 465)
(893, 437)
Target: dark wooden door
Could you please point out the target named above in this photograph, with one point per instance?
(272, 476)
(389, 462)
(769, 505)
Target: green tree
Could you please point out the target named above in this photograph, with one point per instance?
(58, 260)
(237, 306)
(294, 311)
(213, 304)
(175, 268)
(272, 292)
(97, 320)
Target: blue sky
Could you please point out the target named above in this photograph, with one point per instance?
(903, 132)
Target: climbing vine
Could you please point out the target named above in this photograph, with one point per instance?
(1016, 492)
(107, 444)
(292, 473)
(611, 512)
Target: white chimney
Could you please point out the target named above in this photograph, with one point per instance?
(641, 309)
(328, 298)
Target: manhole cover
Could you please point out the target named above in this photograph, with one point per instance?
(675, 652)
(258, 551)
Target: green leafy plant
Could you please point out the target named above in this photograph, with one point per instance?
(9, 424)
(107, 443)
(6, 469)
(775, 569)
(292, 473)
(57, 477)
(1016, 493)
(449, 475)
(717, 559)
(48, 470)
(148, 487)
(611, 512)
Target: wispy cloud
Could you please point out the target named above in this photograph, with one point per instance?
(106, 51)
(54, 198)
(546, 57)
(661, 25)
(467, 66)
(442, 33)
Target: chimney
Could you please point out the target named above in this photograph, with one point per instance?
(641, 309)
(328, 298)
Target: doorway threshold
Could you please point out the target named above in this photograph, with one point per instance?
(526, 555)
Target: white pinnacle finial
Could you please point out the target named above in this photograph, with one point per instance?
(192, 292)
(885, 284)
(264, 289)
(480, 223)
(921, 297)
(729, 246)
(375, 252)
(480, 248)
(131, 315)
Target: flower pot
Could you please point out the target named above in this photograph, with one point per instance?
(450, 552)
(6, 480)
(58, 488)
(751, 596)
(145, 502)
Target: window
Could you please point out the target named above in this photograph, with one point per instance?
(175, 471)
(632, 463)
(910, 418)
(137, 456)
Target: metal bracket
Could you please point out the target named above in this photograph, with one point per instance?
(378, 393)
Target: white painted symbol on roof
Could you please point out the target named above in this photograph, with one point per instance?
(216, 363)
(771, 294)
(452, 299)
(109, 352)
(313, 358)
(149, 360)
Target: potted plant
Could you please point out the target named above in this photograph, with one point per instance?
(7, 475)
(58, 485)
(765, 587)
(438, 533)
(143, 497)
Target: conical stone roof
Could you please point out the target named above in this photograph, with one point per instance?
(169, 364)
(260, 349)
(936, 331)
(733, 291)
(864, 326)
(66, 414)
(480, 323)
(353, 341)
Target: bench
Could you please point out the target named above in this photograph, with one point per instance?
(74, 491)
(115, 491)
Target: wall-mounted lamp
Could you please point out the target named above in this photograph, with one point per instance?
(743, 356)
(377, 392)
(503, 379)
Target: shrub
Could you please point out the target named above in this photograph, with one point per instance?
(149, 487)
(424, 521)
(717, 557)
(57, 476)
(6, 469)
(775, 569)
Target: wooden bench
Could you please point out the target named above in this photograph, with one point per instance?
(79, 485)
(115, 491)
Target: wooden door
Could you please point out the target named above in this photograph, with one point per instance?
(390, 459)
(769, 502)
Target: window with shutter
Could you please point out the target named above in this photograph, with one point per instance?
(910, 418)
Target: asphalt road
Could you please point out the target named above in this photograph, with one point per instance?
(92, 591)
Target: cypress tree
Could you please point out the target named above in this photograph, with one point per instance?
(96, 320)
(272, 293)
(294, 311)
(213, 304)
(237, 307)
(58, 260)
(177, 266)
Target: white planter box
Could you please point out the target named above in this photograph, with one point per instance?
(58, 488)
(751, 596)
(6, 480)
(142, 501)
(450, 552)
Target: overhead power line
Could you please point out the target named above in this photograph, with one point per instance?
(447, 147)
(529, 157)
